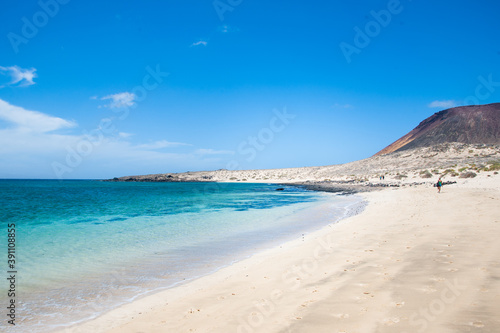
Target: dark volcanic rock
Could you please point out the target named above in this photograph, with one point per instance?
(476, 124)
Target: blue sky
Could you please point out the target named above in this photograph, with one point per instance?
(102, 89)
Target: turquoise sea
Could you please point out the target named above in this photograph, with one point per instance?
(84, 247)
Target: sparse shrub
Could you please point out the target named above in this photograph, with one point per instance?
(494, 165)
(471, 151)
(399, 177)
(425, 174)
(451, 172)
(232, 178)
(469, 174)
(435, 171)
(462, 169)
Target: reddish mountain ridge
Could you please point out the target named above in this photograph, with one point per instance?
(475, 124)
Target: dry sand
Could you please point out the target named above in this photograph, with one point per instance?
(413, 261)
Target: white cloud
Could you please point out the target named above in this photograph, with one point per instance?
(201, 42)
(120, 100)
(443, 104)
(160, 144)
(31, 120)
(125, 135)
(20, 77)
(213, 152)
(29, 143)
(227, 29)
(32, 149)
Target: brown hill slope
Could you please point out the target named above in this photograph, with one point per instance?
(465, 124)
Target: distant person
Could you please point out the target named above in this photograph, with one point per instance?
(439, 184)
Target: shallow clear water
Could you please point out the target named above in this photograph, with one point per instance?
(83, 247)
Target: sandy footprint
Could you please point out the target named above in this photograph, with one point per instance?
(390, 321)
(437, 278)
(477, 324)
(427, 290)
(398, 304)
(341, 315)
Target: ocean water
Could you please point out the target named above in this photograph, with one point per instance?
(84, 247)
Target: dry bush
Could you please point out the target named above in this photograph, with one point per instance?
(425, 174)
(469, 174)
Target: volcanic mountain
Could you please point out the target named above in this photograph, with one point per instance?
(475, 124)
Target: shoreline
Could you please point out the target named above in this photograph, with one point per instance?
(116, 284)
(356, 207)
(355, 275)
(291, 228)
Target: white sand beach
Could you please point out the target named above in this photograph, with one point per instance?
(413, 261)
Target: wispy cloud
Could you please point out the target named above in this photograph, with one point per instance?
(120, 100)
(213, 152)
(125, 135)
(29, 141)
(443, 104)
(31, 147)
(200, 43)
(31, 120)
(227, 29)
(19, 77)
(160, 144)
